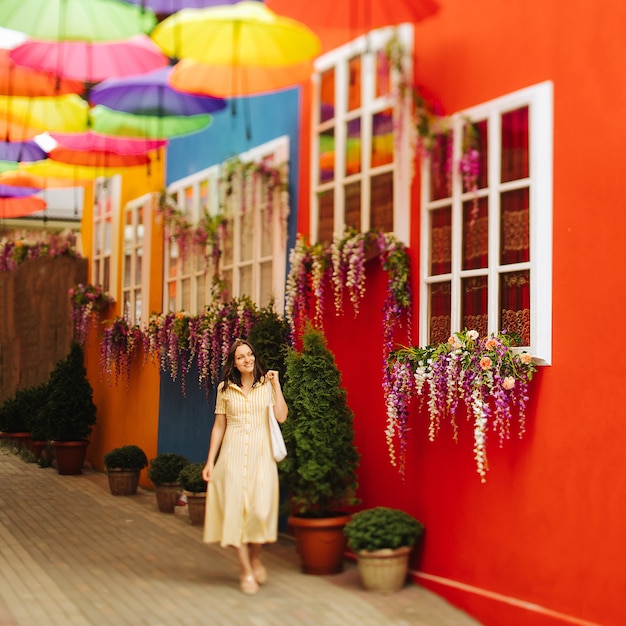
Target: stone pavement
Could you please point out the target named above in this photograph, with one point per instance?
(72, 554)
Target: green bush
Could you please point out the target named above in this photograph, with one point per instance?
(126, 457)
(33, 401)
(166, 467)
(320, 468)
(11, 418)
(190, 478)
(382, 527)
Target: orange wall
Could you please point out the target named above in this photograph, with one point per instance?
(542, 541)
(127, 413)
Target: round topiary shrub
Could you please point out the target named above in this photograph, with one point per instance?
(190, 478)
(166, 467)
(126, 457)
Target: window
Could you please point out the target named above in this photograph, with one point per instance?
(361, 168)
(486, 259)
(107, 193)
(252, 255)
(135, 264)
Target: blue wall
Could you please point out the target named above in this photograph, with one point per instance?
(185, 422)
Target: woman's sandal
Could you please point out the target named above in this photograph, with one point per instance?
(260, 574)
(249, 585)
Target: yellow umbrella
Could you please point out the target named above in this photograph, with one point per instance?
(77, 173)
(242, 34)
(68, 113)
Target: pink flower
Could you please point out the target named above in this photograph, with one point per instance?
(485, 363)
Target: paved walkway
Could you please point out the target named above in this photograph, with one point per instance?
(72, 554)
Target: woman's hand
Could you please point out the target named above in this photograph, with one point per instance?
(272, 376)
(207, 472)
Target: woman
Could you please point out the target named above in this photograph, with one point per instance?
(242, 493)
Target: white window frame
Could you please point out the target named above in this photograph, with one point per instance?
(278, 151)
(539, 99)
(366, 45)
(106, 188)
(137, 238)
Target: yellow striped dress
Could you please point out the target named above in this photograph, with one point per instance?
(242, 497)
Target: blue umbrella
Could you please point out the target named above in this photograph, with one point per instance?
(151, 94)
(21, 151)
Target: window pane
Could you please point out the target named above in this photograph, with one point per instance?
(475, 234)
(202, 291)
(138, 309)
(474, 305)
(327, 101)
(440, 241)
(440, 164)
(515, 305)
(171, 296)
(245, 280)
(245, 241)
(482, 145)
(127, 262)
(327, 155)
(266, 232)
(514, 227)
(266, 284)
(353, 147)
(138, 265)
(352, 202)
(475, 156)
(227, 279)
(382, 138)
(354, 83)
(439, 306)
(326, 211)
(186, 293)
(515, 145)
(381, 202)
(382, 87)
(227, 257)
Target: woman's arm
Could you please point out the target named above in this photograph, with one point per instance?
(280, 406)
(217, 434)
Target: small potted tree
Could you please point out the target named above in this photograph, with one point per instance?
(13, 427)
(69, 413)
(194, 488)
(320, 468)
(382, 539)
(123, 466)
(163, 471)
(33, 402)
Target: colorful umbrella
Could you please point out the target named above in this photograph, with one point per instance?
(20, 207)
(91, 140)
(21, 151)
(68, 113)
(97, 158)
(77, 173)
(12, 191)
(13, 130)
(220, 80)
(150, 94)
(110, 122)
(167, 7)
(20, 178)
(16, 80)
(7, 166)
(86, 20)
(89, 61)
(244, 34)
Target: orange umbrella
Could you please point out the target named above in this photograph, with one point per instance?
(12, 130)
(222, 80)
(97, 158)
(16, 80)
(19, 207)
(19, 178)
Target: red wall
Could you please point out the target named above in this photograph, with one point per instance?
(543, 541)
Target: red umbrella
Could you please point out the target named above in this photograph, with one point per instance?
(19, 207)
(91, 140)
(94, 158)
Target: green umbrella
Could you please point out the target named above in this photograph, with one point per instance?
(87, 20)
(110, 122)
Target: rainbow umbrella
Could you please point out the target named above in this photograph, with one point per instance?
(20, 207)
(21, 151)
(89, 61)
(150, 94)
(91, 140)
(86, 20)
(110, 122)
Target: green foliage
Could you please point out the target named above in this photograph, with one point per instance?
(190, 477)
(69, 413)
(11, 418)
(321, 463)
(21, 412)
(166, 467)
(382, 527)
(269, 335)
(126, 457)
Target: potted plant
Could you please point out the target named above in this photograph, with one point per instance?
(194, 489)
(12, 423)
(123, 466)
(33, 400)
(69, 413)
(321, 463)
(163, 471)
(382, 538)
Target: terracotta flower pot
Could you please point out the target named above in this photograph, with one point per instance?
(70, 456)
(383, 570)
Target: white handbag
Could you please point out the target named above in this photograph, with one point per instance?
(278, 443)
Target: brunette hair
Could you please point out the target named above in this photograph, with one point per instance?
(230, 374)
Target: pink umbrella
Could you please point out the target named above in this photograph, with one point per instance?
(89, 61)
(91, 140)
